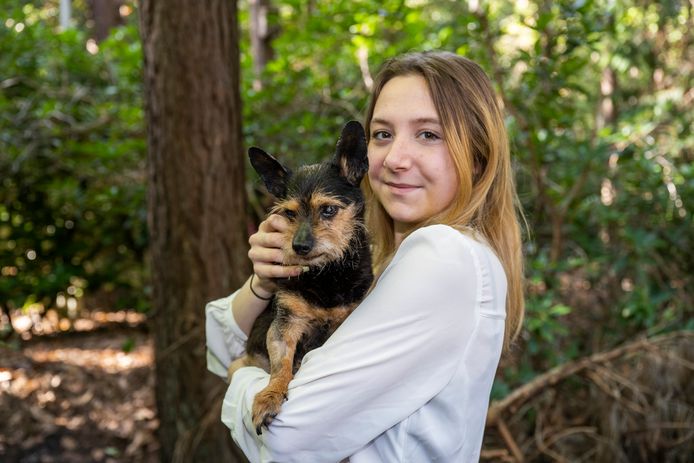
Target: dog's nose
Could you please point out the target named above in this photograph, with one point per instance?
(303, 240)
(301, 248)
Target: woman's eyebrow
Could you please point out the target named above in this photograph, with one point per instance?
(426, 120)
(419, 120)
(378, 120)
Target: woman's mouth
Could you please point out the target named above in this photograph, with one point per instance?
(401, 187)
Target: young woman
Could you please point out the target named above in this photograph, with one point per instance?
(407, 376)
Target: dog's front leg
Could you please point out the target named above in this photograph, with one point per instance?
(248, 360)
(282, 338)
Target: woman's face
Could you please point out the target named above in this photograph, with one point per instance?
(410, 169)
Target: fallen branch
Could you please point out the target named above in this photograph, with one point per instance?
(522, 394)
(497, 455)
(510, 441)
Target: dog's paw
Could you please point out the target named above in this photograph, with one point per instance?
(266, 406)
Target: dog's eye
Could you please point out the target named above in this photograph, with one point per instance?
(288, 213)
(328, 211)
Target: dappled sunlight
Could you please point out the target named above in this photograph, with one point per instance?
(36, 320)
(85, 394)
(111, 360)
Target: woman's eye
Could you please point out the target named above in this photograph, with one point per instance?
(290, 214)
(429, 135)
(380, 135)
(328, 211)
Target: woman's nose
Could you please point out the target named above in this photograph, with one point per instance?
(399, 156)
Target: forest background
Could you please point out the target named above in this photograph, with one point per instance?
(598, 97)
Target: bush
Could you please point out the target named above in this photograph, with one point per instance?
(72, 211)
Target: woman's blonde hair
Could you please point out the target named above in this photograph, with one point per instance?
(474, 132)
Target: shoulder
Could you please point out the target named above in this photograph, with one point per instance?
(443, 242)
(445, 253)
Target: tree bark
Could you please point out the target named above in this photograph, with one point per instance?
(196, 209)
(262, 33)
(106, 16)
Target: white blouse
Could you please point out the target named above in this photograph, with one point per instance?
(406, 378)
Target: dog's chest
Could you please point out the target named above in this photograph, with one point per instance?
(301, 310)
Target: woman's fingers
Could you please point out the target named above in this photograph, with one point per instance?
(271, 232)
(267, 240)
(267, 255)
(266, 271)
(274, 223)
(267, 249)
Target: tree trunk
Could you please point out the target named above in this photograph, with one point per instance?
(261, 33)
(65, 14)
(196, 209)
(106, 16)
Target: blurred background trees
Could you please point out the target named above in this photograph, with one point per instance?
(598, 96)
(72, 159)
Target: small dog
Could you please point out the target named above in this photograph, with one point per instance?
(325, 208)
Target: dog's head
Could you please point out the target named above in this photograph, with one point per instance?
(322, 202)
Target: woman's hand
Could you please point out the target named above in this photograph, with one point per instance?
(267, 254)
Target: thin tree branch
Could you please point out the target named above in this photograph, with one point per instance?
(557, 374)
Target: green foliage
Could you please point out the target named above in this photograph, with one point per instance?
(599, 119)
(324, 57)
(128, 345)
(597, 93)
(597, 96)
(72, 155)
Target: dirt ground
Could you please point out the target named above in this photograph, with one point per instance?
(79, 397)
(85, 393)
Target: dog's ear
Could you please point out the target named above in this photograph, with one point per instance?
(274, 174)
(350, 154)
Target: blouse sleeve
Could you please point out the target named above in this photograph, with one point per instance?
(225, 340)
(394, 353)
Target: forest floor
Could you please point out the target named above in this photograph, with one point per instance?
(85, 393)
(79, 396)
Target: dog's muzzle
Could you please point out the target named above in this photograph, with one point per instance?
(303, 239)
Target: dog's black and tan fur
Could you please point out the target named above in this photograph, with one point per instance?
(325, 207)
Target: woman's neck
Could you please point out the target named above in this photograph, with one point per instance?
(399, 231)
